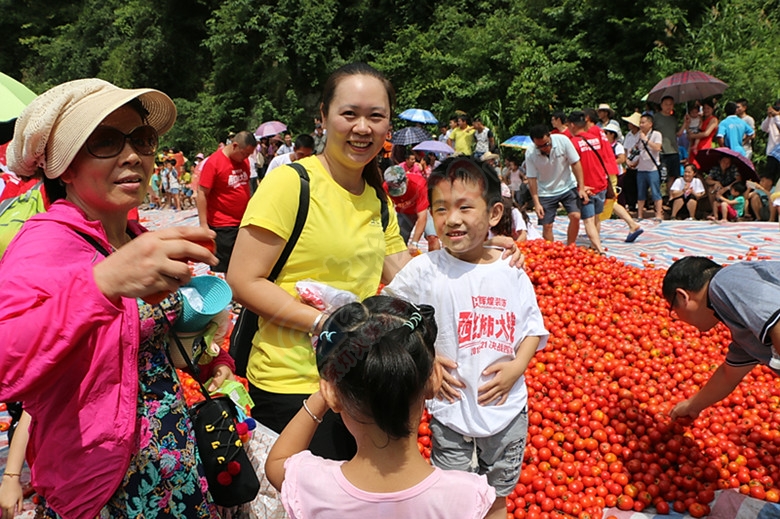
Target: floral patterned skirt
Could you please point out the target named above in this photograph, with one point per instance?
(165, 478)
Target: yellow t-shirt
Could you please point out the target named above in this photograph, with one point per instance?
(463, 140)
(341, 244)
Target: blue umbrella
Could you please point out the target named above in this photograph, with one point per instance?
(418, 115)
(410, 135)
(518, 141)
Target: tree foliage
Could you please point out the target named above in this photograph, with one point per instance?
(233, 64)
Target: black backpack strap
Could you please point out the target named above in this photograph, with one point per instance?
(300, 220)
(246, 325)
(92, 241)
(385, 212)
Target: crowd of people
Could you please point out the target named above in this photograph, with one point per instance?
(86, 332)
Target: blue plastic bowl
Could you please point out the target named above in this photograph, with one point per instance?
(216, 295)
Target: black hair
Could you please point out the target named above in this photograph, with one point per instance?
(577, 118)
(649, 116)
(742, 101)
(371, 173)
(464, 117)
(689, 273)
(709, 102)
(730, 108)
(739, 187)
(540, 130)
(245, 138)
(54, 188)
(304, 140)
(467, 169)
(591, 115)
(379, 354)
(667, 97)
(559, 115)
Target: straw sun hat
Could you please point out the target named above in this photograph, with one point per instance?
(55, 125)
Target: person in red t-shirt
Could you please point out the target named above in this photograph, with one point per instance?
(223, 193)
(410, 198)
(411, 165)
(594, 176)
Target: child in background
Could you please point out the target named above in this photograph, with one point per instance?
(377, 365)
(733, 207)
(482, 406)
(154, 189)
(758, 198)
(174, 187)
(514, 221)
(692, 125)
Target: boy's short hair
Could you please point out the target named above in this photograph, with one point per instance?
(739, 187)
(689, 273)
(469, 170)
(577, 118)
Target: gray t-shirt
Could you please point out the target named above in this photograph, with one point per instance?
(746, 297)
(667, 125)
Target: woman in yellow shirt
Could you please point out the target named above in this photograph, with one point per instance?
(342, 244)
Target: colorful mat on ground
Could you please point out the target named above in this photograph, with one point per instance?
(659, 245)
(663, 242)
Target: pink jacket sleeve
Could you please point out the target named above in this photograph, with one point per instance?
(48, 311)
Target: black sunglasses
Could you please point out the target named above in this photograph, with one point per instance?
(107, 142)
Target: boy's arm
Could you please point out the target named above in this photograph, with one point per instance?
(507, 373)
(294, 438)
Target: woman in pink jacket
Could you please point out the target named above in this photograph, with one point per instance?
(110, 435)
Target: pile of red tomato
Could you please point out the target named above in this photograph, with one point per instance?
(599, 432)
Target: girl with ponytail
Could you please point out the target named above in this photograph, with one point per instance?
(377, 366)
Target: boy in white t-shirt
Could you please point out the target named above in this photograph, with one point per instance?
(489, 329)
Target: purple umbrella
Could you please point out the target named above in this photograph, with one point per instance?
(687, 86)
(270, 128)
(434, 147)
(709, 157)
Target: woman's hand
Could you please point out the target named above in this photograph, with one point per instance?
(154, 262)
(221, 374)
(11, 497)
(510, 249)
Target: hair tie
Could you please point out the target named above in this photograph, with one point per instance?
(414, 321)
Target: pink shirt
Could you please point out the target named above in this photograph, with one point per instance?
(316, 488)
